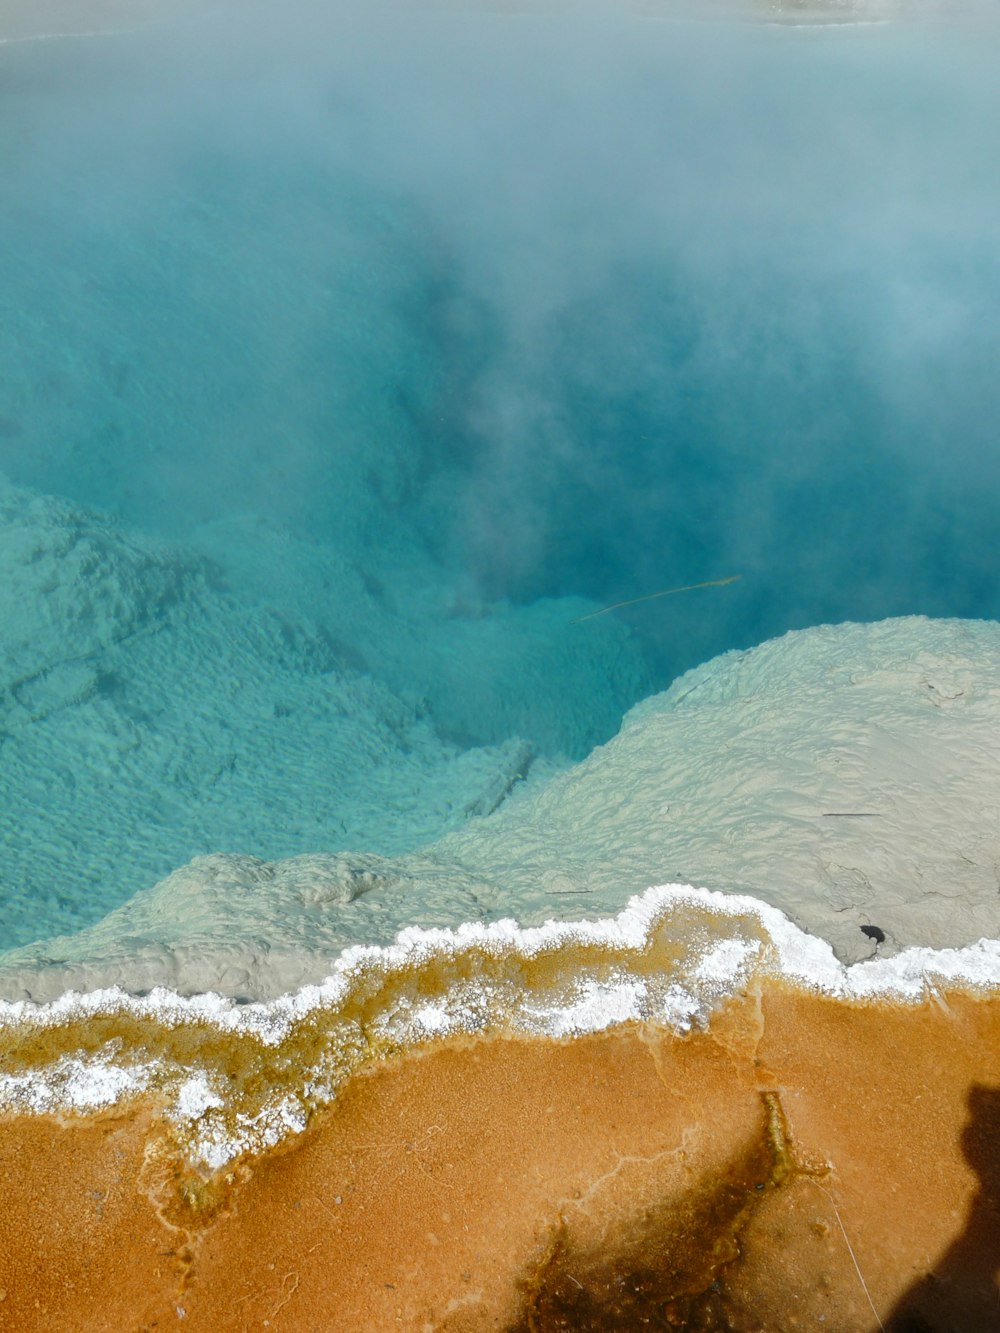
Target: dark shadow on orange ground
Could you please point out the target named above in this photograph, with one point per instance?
(961, 1294)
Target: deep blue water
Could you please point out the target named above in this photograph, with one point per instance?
(336, 349)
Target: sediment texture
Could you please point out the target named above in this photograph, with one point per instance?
(803, 1163)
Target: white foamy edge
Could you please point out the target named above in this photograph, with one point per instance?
(710, 973)
(805, 959)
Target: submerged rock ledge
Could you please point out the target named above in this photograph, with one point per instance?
(847, 775)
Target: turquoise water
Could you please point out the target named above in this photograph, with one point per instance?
(348, 358)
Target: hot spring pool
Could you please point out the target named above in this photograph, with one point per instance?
(352, 355)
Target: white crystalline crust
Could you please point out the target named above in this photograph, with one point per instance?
(802, 958)
(727, 943)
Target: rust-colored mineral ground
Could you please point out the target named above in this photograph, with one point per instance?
(805, 1164)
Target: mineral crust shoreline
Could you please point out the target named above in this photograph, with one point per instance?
(805, 1162)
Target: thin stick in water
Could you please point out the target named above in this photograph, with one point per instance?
(667, 592)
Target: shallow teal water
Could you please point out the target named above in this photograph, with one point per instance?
(347, 359)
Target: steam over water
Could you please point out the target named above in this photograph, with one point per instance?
(350, 356)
